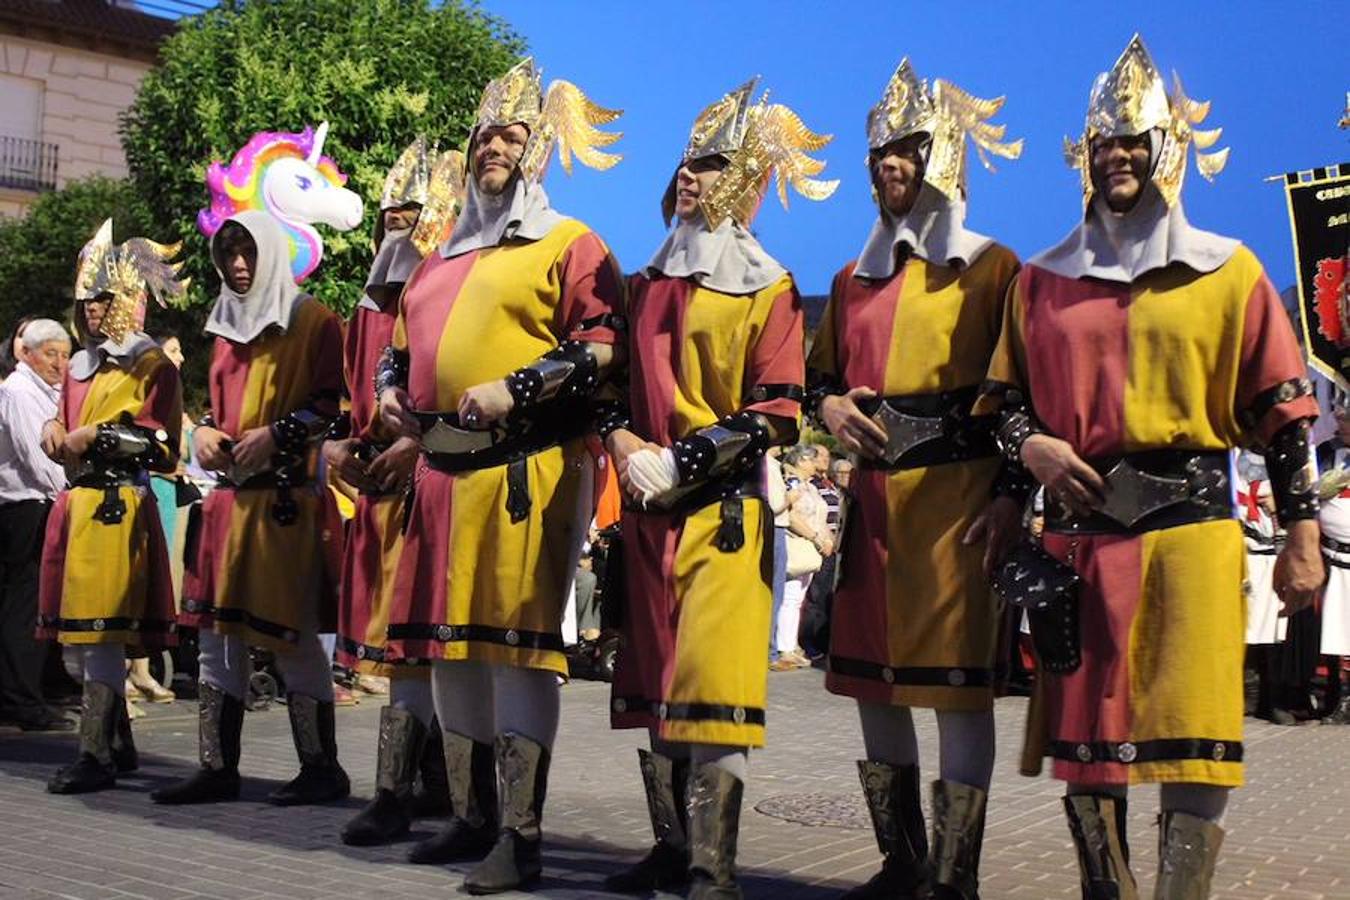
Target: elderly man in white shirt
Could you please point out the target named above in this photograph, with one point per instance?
(29, 482)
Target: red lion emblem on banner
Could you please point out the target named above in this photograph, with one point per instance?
(1330, 297)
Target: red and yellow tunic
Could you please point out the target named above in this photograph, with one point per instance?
(1175, 360)
(471, 583)
(914, 621)
(258, 572)
(103, 581)
(693, 667)
(374, 535)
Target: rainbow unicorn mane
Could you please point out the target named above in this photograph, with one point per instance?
(240, 186)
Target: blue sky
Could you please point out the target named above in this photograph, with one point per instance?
(1277, 74)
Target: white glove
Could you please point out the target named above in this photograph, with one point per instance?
(653, 473)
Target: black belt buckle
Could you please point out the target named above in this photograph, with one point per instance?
(1133, 494)
(443, 433)
(904, 431)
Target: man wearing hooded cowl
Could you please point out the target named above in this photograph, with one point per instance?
(1134, 356)
(259, 578)
(902, 349)
(716, 369)
(105, 580)
(504, 334)
(379, 466)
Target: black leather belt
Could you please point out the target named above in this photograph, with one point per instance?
(113, 508)
(285, 511)
(1153, 489)
(1334, 545)
(510, 445)
(731, 492)
(930, 429)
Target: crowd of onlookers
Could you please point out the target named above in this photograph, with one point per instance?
(808, 489)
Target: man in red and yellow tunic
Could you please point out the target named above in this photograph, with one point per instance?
(504, 333)
(902, 349)
(1134, 356)
(105, 580)
(262, 574)
(716, 369)
(380, 467)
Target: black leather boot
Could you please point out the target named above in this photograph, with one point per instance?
(515, 861)
(431, 793)
(1097, 823)
(94, 769)
(388, 815)
(892, 794)
(472, 829)
(220, 719)
(321, 779)
(714, 823)
(124, 754)
(958, 838)
(666, 865)
(1188, 849)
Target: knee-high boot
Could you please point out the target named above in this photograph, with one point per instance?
(666, 865)
(220, 723)
(892, 794)
(1097, 823)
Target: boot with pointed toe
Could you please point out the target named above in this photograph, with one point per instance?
(516, 860)
(220, 724)
(666, 864)
(892, 794)
(321, 778)
(471, 774)
(94, 769)
(387, 816)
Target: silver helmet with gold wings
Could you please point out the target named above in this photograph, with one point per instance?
(949, 116)
(760, 141)
(563, 117)
(1132, 99)
(126, 273)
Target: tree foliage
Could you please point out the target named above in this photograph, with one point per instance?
(38, 252)
(380, 71)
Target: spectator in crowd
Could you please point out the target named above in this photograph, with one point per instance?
(778, 504)
(809, 543)
(814, 631)
(841, 473)
(29, 482)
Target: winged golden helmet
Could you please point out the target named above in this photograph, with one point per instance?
(431, 179)
(407, 180)
(445, 197)
(949, 116)
(126, 272)
(563, 116)
(1132, 99)
(759, 140)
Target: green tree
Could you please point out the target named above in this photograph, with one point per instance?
(379, 71)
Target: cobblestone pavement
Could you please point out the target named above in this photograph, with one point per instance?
(1288, 831)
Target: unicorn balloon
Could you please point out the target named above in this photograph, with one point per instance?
(287, 175)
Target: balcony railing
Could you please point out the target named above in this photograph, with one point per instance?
(27, 165)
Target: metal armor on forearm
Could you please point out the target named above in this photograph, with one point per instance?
(1293, 475)
(566, 372)
(391, 371)
(736, 443)
(819, 386)
(120, 441)
(610, 416)
(293, 432)
(340, 428)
